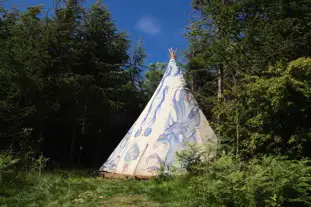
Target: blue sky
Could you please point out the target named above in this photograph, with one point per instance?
(160, 23)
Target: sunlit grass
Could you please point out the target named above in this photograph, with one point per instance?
(270, 181)
(72, 189)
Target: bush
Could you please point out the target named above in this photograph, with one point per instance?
(270, 181)
(230, 181)
(13, 165)
(7, 162)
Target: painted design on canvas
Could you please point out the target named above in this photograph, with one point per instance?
(181, 123)
(114, 158)
(154, 117)
(125, 168)
(176, 71)
(159, 160)
(132, 153)
(159, 91)
(178, 132)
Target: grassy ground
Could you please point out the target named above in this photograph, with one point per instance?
(72, 189)
(80, 189)
(269, 181)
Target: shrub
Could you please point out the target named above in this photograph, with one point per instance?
(194, 158)
(270, 181)
(7, 162)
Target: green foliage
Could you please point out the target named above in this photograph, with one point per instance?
(153, 76)
(227, 181)
(39, 164)
(269, 181)
(269, 114)
(240, 57)
(69, 90)
(7, 164)
(136, 63)
(64, 83)
(195, 157)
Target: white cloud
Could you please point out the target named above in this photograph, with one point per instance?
(148, 25)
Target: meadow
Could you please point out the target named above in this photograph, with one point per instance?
(270, 181)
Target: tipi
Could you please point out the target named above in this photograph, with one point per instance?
(168, 123)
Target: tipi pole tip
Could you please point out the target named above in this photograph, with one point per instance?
(172, 53)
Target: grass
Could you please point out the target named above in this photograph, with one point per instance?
(79, 188)
(72, 189)
(270, 181)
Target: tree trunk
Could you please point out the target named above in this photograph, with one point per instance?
(220, 80)
(84, 118)
(237, 134)
(83, 129)
(192, 83)
(237, 117)
(220, 35)
(72, 145)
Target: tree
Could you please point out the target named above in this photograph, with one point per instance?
(63, 80)
(243, 38)
(153, 76)
(136, 62)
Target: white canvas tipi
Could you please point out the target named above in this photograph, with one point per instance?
(169, 122)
